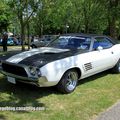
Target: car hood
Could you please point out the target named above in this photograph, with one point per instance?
(36, 55)
(41, 56)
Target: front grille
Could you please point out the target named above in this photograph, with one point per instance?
(13, 69)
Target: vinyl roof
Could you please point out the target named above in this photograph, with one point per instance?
(81, 34)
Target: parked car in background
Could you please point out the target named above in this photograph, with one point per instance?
(63, 61)
(42, 41)
(11, 41)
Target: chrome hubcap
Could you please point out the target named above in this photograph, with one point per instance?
(71, 80)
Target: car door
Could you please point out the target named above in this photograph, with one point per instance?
(102, 53)
(100, 58)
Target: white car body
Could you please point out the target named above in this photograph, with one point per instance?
(99, 60)
(86, 63)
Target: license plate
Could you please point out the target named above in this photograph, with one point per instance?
(11, 80)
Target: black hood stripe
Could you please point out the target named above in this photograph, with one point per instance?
(41, 59)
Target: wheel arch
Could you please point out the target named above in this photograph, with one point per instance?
(116, 68)
(61, 86)
(76, 69)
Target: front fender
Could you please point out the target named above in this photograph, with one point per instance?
(55, 70)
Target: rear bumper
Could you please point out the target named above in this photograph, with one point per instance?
(35, 81)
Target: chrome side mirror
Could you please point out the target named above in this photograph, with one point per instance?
(99, 48)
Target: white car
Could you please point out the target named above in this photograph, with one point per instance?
(64, 61)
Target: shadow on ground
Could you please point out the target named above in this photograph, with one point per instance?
(94, 77)
(21, 95)
(2, 117)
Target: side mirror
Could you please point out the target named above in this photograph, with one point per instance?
(99, 48)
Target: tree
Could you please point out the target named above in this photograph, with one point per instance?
(4, 16)
(113, 16)
(52, 16)
(24, 10)
(112, 12)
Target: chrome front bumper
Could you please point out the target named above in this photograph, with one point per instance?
(35, 81)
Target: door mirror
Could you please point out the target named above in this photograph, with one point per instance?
(99, 48)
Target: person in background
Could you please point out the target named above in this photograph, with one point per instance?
(32, 38)
(4, 41)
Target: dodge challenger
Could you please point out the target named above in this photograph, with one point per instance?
(63, 61)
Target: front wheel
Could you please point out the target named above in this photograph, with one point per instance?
(68, 82)
(116, 68)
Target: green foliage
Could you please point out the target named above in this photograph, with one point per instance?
(24, 10)
(52, 16)
(4, 16)
(89, 16)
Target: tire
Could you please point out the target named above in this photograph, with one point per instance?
(116, 68)
(68, 82)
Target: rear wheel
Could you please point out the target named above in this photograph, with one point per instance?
(68, 82)
(116, 69)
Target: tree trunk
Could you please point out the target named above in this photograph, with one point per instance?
(86, 26)
(112, 27)
(41, 30)
(22, 30)
(23, 35)
(28, 35)
(112, 18)
(86, 22)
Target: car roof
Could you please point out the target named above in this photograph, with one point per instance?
(114, 41)
(83, 35)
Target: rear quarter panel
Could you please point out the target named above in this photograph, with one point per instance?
(116, 52)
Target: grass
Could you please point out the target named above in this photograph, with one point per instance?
(92, 96)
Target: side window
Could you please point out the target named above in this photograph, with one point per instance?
(79, 42)
(103, 42)
(86, 44)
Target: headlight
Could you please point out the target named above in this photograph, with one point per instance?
(34, 71)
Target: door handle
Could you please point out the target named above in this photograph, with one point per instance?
(112, 52)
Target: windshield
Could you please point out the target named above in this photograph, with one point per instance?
(68, 42)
